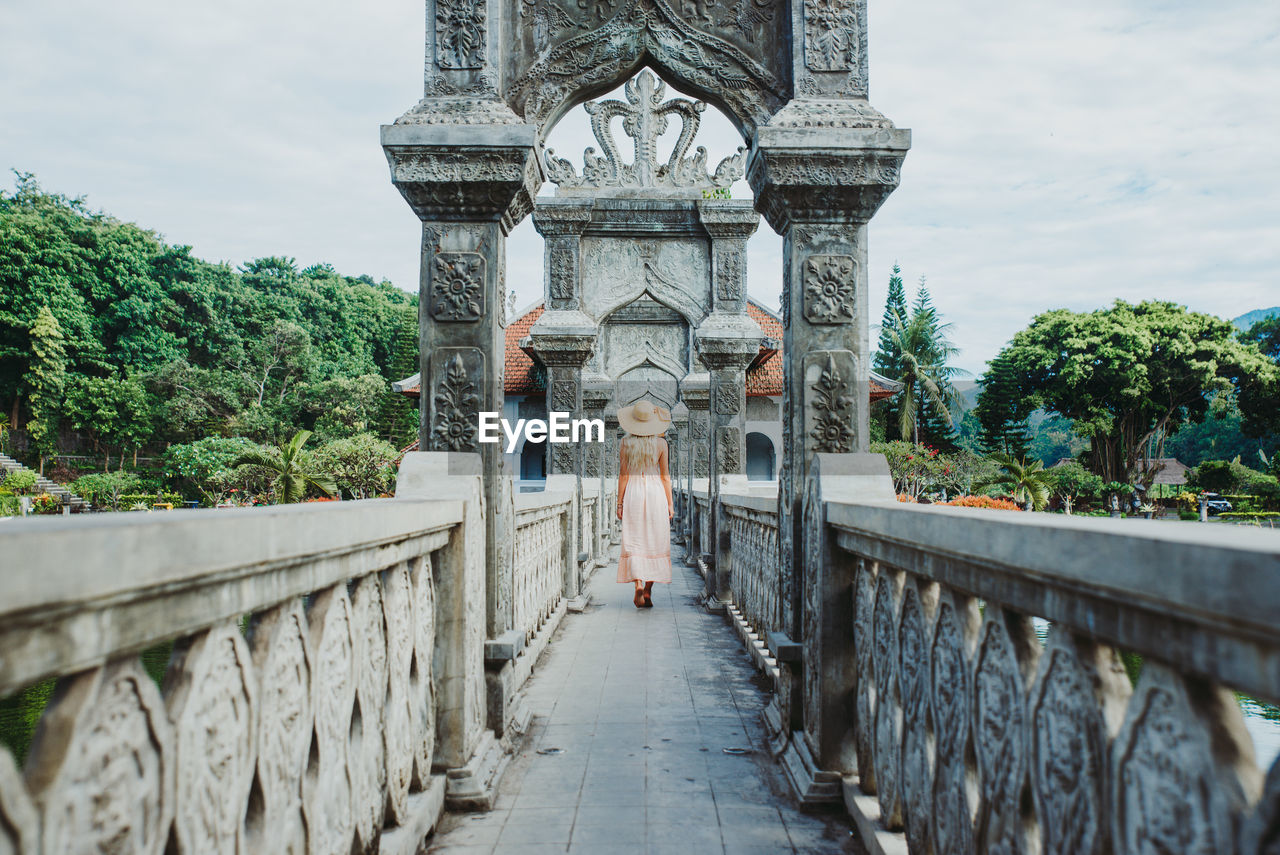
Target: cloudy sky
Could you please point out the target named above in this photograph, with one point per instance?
(1065, 154)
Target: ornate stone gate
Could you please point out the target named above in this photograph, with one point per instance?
(792, 77)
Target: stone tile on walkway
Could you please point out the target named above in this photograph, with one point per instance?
(642, 704)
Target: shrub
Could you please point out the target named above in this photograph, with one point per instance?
(983, 502)
(20, 481)
(105, 489)
(46, 504)
(1188, 515)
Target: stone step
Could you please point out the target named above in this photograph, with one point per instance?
(8, 464)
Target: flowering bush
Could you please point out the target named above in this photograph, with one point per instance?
(983, 502)
(903, 497)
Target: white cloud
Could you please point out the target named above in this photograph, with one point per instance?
(1064, 154)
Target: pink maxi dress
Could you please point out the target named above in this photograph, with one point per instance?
(646, 527)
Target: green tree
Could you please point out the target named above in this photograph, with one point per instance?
(1072, 482)
(1130, 375)
(295, 472)
(1002, 409)
(888, 358)
(115, 412)
(1026, 480)
(45, 380)
(928, 394)
(207, 468)
(1266, 335)
(361, 465)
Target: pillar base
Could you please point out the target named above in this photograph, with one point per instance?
(475, 785)
(812, 786)
(425, 808)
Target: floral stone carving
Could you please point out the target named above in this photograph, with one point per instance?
(950, 683)
(281, 663)
(887, 747)
(864, 587)
(729, 450)
(456, 403)
(457, 286)
(460, 33)
(913, 680)
(729, 395)
(1068, 750)
(368, 756)
(397, 727)
(101, 768)
(832, 35)
(1162, 758)
(829, 289)
(212, 694)
(999, 730)
(421, 685)
(328, 791)
(830, 409)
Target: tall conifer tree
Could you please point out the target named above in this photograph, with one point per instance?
(888, 358)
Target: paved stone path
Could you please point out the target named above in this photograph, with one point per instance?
(642, 704)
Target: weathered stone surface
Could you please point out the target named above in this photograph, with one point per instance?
(102, 766)
(368, 753)
(328, 796)
(916, 775)
(1000, 737)
(950, 700)
(888, 707)
(19, 823)
(212, 694)
(281, 664)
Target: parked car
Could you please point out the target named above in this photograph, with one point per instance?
(1216, 504)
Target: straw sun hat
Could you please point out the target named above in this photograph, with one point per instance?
(643, 418)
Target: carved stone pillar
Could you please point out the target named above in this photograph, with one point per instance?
(596, 391)
(469, 189)
(727, 341)
(695, 392)
(820, 170)
(678, 439)
(564, 342)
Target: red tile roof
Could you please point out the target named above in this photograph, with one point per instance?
(765, 378)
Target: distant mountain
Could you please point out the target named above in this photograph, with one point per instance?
(1248, 319)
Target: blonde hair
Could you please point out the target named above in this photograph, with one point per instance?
(641, 451)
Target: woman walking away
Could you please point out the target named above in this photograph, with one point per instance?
(644, 500)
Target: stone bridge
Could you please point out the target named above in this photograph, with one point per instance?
(944, 679)
(357, 676)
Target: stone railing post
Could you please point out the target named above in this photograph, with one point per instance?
(820, 169)
(695, 392)
(678, 437)
(595, 397)
(466, 749)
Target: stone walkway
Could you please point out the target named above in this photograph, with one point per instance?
(632, 713)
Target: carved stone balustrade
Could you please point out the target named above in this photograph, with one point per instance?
(319, 724)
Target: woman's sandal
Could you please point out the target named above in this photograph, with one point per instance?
(648, 595)
(639, 598)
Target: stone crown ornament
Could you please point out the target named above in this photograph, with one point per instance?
(645, 117)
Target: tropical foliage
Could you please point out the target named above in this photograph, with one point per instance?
(915, 351)
(294, 470)
(1027, 481)
(1127, 377)
(112, 337)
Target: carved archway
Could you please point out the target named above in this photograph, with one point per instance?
(649, 33)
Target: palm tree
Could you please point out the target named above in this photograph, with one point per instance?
(923, 352)
(293, 476)
(1026, 480)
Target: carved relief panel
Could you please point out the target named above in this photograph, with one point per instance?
(212, 693)
(829, 402)
(830, 289)
(615, 272)
(457, 286)
(456, 377)
(102, 767)
(281, 661)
